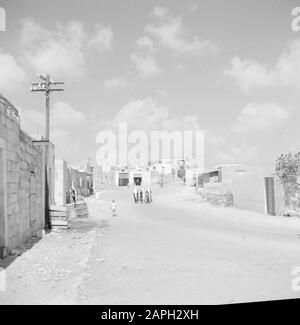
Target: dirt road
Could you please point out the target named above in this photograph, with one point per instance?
(178, 250)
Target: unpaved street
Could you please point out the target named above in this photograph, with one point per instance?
(178, 250)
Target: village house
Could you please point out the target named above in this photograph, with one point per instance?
(65, 177)
(248, 187)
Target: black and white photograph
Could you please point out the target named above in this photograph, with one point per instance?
(149, 154)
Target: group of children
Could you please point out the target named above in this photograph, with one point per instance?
(141, 195)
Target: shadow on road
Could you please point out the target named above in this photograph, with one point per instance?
(82, 225)
(5, 262)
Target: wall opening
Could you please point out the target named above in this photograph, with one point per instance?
(123, 179)
(137, 180)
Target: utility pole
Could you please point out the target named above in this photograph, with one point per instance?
(45, 85)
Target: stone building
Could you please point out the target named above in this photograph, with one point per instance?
(65, 177)
(22, 181)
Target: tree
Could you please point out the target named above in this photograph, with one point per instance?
(288, 170)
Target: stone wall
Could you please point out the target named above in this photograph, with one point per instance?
(24, 215)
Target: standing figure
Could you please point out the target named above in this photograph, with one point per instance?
(72, 192)
(141, 196)
(150, 196)
(135, 195)
(147, 196)
(114, 208)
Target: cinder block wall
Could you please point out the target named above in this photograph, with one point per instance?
(248, 191)
(24, 213)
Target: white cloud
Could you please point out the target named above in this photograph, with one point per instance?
(12, 75)
(144, 114)
(60, 51)
(65, 116)
(144, 58)
(146, 64)
(66, 123)
(193, 8)
(288, 66)
(170, 34)
(62, 116)
(65, 144)
(31, 32)
(159, 12)
(32, 122)
(102, 40)
(147, 114)
(165, 33)
(146, 43)
(243, 154)
(216, 140)
(259, 117)
(114, 83)
(251, 75)
(218, 150)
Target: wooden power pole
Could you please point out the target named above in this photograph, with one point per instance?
(45, 85)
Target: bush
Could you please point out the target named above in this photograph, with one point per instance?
(288, 170)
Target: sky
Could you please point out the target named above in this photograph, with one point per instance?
(230, 68)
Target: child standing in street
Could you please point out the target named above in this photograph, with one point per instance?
(114, 208)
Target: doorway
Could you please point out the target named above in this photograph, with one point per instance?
(123, 179)
(137, 180)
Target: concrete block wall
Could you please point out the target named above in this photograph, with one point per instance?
(248, 191)
(23, 184)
